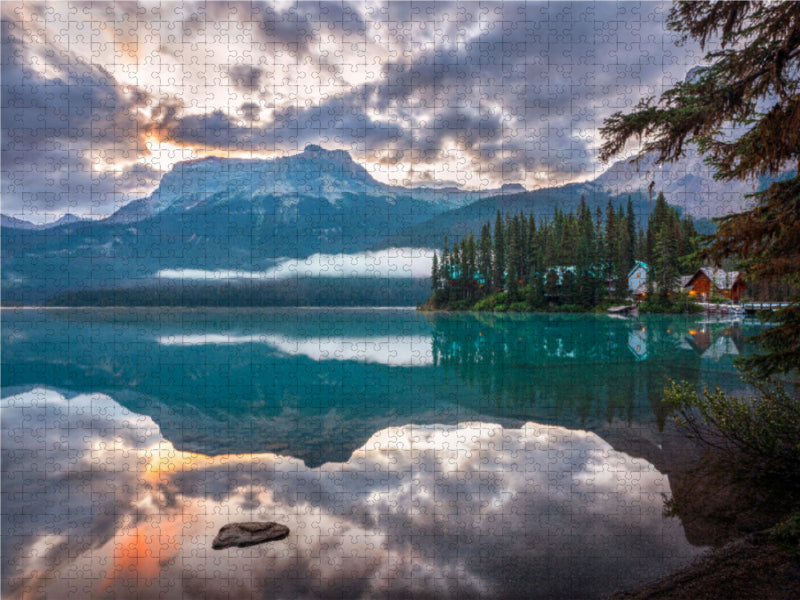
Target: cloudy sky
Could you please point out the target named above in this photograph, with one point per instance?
(99, 100)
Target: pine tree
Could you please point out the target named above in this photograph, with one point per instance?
(584, 256)
(624, 256)
(751, 84)
(687, 246)
(602, 261)
(513, 257)
(470, 264)
(640, 246)
(611, 243)
(534, 251)
(665, 263)
(631, 222)
(485, 257)
(536, 292)
(551, 285)
(435, 273)
(498, 275)
(568, 285)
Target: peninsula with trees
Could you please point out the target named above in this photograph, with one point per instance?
(570, 263)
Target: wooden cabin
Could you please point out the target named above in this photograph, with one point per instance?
(708, 281)
(637, 277)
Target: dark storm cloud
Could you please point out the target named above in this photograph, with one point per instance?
(63, 180)
(554, 70)
(245, 77)
(516, 88)
(249, 111)
(82, 102)
(336, 122)
(296, 28)
(52, 126)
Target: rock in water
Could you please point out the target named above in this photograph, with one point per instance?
(248, 534)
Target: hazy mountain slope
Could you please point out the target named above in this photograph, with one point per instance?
(688, 184)
(542, 203)
(218, 214)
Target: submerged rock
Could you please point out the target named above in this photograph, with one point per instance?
(248, 534)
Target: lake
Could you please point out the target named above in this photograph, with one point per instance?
(410, 454)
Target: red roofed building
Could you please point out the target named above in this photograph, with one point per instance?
(708, 281)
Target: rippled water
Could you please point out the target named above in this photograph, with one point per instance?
(410, 454)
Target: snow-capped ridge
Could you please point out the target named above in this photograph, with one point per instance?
(316, 172)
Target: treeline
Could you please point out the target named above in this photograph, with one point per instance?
(349, 291)
(572, 262)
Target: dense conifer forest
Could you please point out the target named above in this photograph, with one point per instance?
(572, 262)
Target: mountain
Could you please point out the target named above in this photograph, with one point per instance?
(15, 223)
(330, 175)
(217, 214)
(213, 216)
(688, 184)
(542, 203)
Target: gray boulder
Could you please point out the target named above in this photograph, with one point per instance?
(242, 535)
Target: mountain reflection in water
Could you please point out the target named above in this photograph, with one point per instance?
(411, 455)
(316, 384)
(104, 506)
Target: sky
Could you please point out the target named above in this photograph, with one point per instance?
(100, 99)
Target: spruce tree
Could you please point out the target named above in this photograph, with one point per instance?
(584, 255)
(470, 264)
(631, 230)
(513, 257)
(485, 257)
(750, 83)
(534, 251)
(611, 243)
(435, 273)
(568, 285)
(498, 275)
(624, 257)
(551, 285)
(536, 291)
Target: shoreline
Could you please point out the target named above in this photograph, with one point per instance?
(173, 307)
(754, 566)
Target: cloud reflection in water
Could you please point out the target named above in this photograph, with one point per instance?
(391, 350)
(97, 504)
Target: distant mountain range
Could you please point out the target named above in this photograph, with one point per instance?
(217, 214)
(14, 223)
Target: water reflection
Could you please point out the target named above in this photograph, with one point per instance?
(584, 370)
(316, 384)
(713, 341)
(397, 350)
(104, 506)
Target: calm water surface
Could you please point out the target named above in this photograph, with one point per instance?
(411, 455)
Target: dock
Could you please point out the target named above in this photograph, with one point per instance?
(622, 310)
(751, 308)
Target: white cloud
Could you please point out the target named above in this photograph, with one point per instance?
(391, 263)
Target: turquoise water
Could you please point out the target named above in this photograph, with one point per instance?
(418, 454)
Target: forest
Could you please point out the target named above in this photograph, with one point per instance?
(572, 262)
(308, 291)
